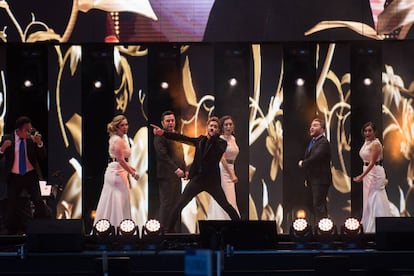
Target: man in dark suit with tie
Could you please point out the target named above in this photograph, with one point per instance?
(204, 172)
(317, 166)
(22, 150)
(170, 168)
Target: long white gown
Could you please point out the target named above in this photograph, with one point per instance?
(114, 202)
(375, 199)
(215, 212)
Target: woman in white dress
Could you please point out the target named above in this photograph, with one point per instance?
(227, 173)
(114, 202)
(375, 199)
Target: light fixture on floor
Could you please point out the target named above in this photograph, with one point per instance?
(352, 226)
(127, 235)
(152, 236)
(301, 230)
(103, 228)
(103, 234)
(127, 227)
(352, 233)
(152, 227)
(326, 231)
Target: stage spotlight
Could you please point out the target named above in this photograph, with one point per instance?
(128, 234)
(103, 228)
(300, 231)
(28, 83)
(300, 225)
(352, 226)
(152, 236)
(164, 85)
(152, 227)
(300, 82)
(232, 82)
(97, 84)
(326, 225)
(326, 231)
(352, 233)
(367, 81)
(127, 227)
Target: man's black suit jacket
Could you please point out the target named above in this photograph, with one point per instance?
(208, 153)
(170, 157)
(317, 163)
(34, 154)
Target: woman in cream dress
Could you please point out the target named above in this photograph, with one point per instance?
(114, 202)
(227, 173)
(375, 199)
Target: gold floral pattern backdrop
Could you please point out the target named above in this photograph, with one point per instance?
(397, 110)
(85, 21)
(265, 122)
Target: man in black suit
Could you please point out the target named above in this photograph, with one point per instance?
(204, 172)
(170, 168)
(22, 151)
(317, 166)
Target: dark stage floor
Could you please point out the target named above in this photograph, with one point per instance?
(175, 253)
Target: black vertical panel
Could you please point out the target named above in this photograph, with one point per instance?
(163, 66)
(97, 111)
(366, 105)
(299, 109)
(27, 63)
(233, 61)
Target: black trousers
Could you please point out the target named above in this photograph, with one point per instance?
(16, 184)
(317, 201)
(169, 194)
(197, 185)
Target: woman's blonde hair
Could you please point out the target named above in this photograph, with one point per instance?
(113, 125)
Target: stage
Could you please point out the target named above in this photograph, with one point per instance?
(176, 253)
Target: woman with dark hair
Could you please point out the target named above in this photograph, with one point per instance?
(227, 173)
(375, 199)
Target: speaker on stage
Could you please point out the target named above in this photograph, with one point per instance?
(243, 234)
(55, 235)
(394, 233)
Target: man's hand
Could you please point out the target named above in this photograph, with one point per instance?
(37, 138)
(157, 130)
(179, 172)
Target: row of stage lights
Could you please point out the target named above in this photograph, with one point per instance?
(127, 227)
(326, 232)
(126, 236)
(301, 232)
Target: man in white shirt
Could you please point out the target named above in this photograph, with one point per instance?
(22, 151)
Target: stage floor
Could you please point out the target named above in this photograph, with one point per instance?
(177, 253)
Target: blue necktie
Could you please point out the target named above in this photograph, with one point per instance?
(311, 144)
(22, 158)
